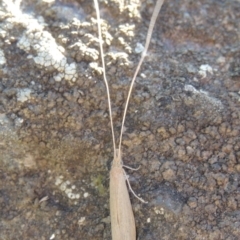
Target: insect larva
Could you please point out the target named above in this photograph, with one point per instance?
(122, 218)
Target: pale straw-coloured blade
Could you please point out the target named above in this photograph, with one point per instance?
(149, 34)
(104, 73)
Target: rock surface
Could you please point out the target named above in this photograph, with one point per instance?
(182, 127)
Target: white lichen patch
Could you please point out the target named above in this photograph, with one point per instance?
(3, 33)
(58, 77)
(84, 52)
(63, 186)
(48, 54)
(59, 180)
(71, 72)
(39, 44)
(94, 67)
(120, 57)
(15, 15)
(67, 188)
(81, 221)
(52, 236)
(204, 69)
(139, 48)
(2, 58)
(24, 94)
(221, 60)
(48, 1)
(127, 29)
(86, 194)
(3, 119)
(159, 211)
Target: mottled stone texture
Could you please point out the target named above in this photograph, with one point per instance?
(182, 127)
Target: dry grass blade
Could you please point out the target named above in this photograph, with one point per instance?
(104, 73)
(149, 35)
